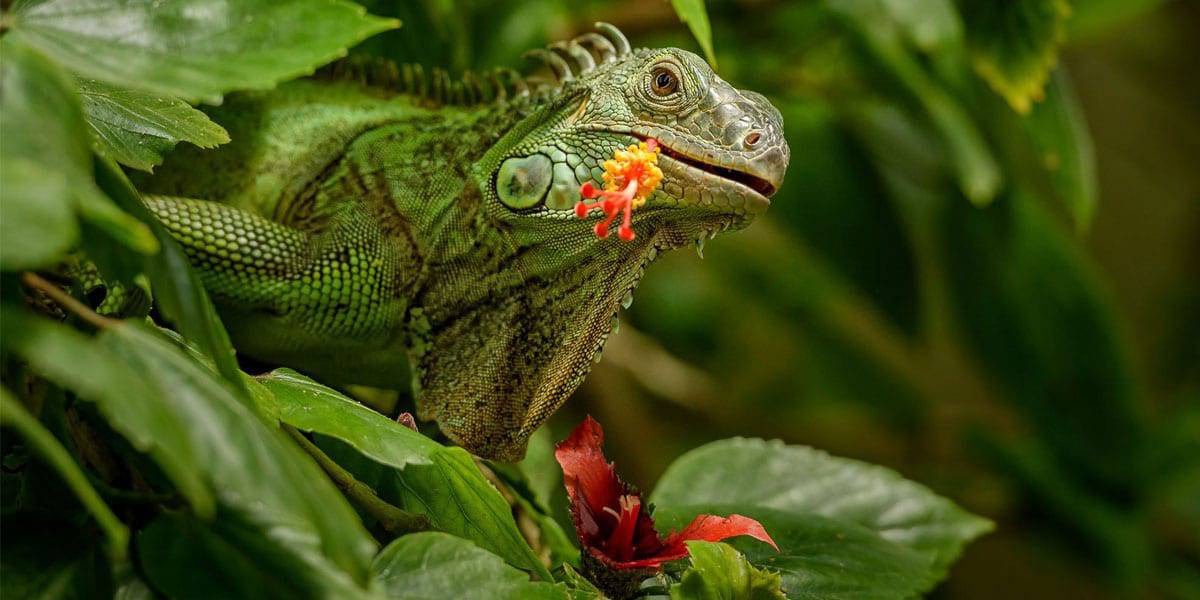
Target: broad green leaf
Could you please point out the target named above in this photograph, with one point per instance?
(744, 473)
(177, 289)
(1040, 325)
(692, 13)
(310, 406)
(45, 162)
(254, 471)
(434, 565)
(193, 49)
(136, 128)
(37, 223)
(452, 493)
(407, 469)
(976, 170)
(186, 557)
(541, 470)
(1064, 148)
(209, 443)
(43, 159)
(44, 444)
(47, 557)
(75, 362)
(552, 535)
(820, 557)
(930, 25)
(537, 486)
(837, 203)
(718, 572)
(44, 137)
(458, 499)
(1014, 44)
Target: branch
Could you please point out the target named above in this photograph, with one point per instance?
(394, 520)
(65, 300)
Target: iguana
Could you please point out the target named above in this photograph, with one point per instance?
(352, 230)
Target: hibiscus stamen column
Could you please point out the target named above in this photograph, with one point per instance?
(629, 178)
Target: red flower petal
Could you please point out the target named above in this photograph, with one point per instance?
(711, 528)
(590, 480)
(609, 517)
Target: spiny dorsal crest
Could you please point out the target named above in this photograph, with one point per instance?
(435, 87)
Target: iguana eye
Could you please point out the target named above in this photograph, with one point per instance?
(663, 82)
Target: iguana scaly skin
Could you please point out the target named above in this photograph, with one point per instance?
(351, 232)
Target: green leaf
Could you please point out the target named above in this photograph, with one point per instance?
(310, 406)
(1038, 322)
(458, 499)
(407, 470)
(186, 557)
(930, 25)
(43, 443)
(1064, 149)
(206, 441)
(436, 565)
(47, 557)
(46, 160)
(821, 557)
(692, 13)
(719, 572)
(975, 168)
(193, 49)
(43, 158)
(45, 163)
(743, 473)
(136, 128)
(254, 470)
(72, 360)
(37, 224)
(177, 289)
(840, 207)
(1014, 44)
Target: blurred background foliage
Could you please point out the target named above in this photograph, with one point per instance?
(981, 271)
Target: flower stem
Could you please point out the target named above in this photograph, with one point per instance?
(395, 520)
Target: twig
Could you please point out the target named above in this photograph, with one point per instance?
(63, 299)
(394, 520)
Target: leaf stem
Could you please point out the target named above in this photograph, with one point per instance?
(393, 519)
(65, 300)
(14, 415)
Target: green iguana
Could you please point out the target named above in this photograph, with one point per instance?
(351, 230)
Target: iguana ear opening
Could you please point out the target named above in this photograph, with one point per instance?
(491, 374)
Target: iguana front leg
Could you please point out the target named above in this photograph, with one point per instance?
(327, 302)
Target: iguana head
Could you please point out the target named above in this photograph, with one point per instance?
(496, 364)
(723, 150)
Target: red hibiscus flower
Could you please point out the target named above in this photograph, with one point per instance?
(613, 524)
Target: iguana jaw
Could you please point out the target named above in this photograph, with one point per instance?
(765, 189)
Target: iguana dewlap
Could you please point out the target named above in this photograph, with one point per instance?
(427, 236)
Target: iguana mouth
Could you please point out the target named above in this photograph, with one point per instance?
(758, 184)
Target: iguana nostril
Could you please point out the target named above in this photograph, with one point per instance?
(753, 139)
